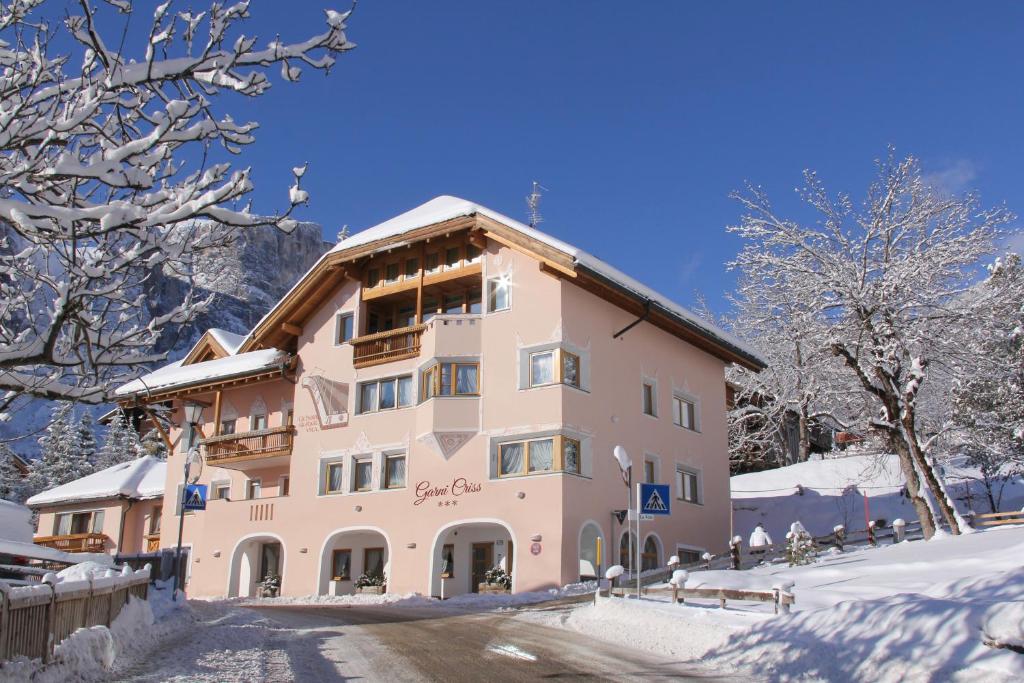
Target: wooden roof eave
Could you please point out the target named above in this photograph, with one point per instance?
(195, 389)
(207, 341)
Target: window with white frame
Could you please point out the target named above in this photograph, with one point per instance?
(253, 489)
(688, 484)
(220, 490)
(88, 522)
(534, 456)
(258, 422)
(394, 470)
(498, 294)
(362, 474)
(333, 477)
(385, 394)
(649, 398)
(344, 327)
(684, 412)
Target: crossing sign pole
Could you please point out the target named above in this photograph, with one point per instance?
(639, 506)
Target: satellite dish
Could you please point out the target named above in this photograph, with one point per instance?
(193, 466)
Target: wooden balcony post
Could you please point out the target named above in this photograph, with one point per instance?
(216, 411)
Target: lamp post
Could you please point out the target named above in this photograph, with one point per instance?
(193, 413)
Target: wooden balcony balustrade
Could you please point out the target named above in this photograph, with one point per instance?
(385, 347)
(74, 543)
(263, 443)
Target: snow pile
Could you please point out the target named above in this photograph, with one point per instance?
(83, 570)
(138, 479)
(1004, 625)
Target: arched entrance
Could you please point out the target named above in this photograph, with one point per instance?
(350, 553)
(254, 559)
(627, 550)
(464, 551)
(650, 556)
(591, 564)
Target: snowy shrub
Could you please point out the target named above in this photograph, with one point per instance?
(498, 577)
(800, 548)
(366, 580)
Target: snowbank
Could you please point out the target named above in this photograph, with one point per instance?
(15, 522)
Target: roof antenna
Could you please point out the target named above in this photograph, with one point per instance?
(533, 204)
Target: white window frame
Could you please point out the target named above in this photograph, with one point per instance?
(258, 483)
(338, 341)
(653, 383)
(384, 483)
(693, 401)
(218, 483)
(498, 279)
(356, 461)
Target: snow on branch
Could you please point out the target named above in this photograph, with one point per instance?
(107, 175)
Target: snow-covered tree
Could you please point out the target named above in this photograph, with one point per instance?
(111, 148)
(12, 485)
(153, 444)
(800, 548)
(888, 276)
(60, 458)
(121, 443)
(87, 439)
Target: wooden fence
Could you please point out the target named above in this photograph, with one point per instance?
(75, 543)
(35, 619)
(997, 519)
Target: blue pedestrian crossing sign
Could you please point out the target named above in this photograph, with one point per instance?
(195, 497)
(655, 500)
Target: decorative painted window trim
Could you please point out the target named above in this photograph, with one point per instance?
(358, 461)
(385, 477)
(562, 354)
(323, 477)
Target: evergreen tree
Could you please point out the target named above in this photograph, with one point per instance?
(121, 444)
(153, 444)
(61, 458)
(12, 486)
(87, 440)
(800, 548)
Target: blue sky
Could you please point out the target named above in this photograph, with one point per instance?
(640, 118)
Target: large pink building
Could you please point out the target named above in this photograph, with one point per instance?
(438, 396)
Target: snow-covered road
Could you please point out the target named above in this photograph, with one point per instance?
(387, 643)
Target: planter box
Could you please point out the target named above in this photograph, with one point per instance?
(372, 590)
(491, 588)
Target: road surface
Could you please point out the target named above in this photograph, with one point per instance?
(387, 643)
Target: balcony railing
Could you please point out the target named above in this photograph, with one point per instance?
(263, 443)
(74, 543)
(385, 347)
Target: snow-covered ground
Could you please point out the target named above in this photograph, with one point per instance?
(824, 493)
(917, 611)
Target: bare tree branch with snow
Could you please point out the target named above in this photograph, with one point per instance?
(107, 160)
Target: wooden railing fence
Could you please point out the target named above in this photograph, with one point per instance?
(384, 347)
(263, 442)
(35, 619)
(997, 519)
(74, 543)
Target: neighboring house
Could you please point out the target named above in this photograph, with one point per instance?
(440, 396)
(116, 510)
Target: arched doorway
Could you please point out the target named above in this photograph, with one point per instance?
(650, 556)
(255, 559)
(348, 554)
(591, 563)
(464, 551)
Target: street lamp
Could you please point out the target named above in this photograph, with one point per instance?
(626, 466)
(193, 414)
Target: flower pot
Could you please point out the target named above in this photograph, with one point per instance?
(491, 588)
(371, 590)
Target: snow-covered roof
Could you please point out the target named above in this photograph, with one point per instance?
(141, 478)
(446, 207)
(229, 340)
(177, 375)
(15, 522)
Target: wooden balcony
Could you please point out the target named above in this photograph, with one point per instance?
(385, 347)
(262, 448)
(152, 542)
(74, 543)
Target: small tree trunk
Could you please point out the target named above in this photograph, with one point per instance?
(924, 513)
(804, 431)
(928, 472)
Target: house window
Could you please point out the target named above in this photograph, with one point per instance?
(373, 277)
(688, 485)
(258, 422)
(451, 379)
(363, 472)
(253, 489)
(221, 490)
(373, 561)
(453, 304)
(345, 327)
(649, 555)
(626, 557)
(550, 454)
(412, 268)
(684, 412)
(228, 426)
(555, 365)
(391, 272)
(394, 471)
(448, 561)
(283, 486)
(498, 294)
(154, 519)
(648, 395)
(341, 565)
(472, 253)
(649, 476)
(451, 258)
(78, 523)
(431, 263)
(385, 394)
(688, 556)
(333, 477)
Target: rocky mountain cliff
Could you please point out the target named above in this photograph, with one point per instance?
(245, 280)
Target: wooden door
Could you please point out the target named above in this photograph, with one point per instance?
(482, 559)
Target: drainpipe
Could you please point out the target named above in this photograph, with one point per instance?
(643, 317)
(120, 530)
